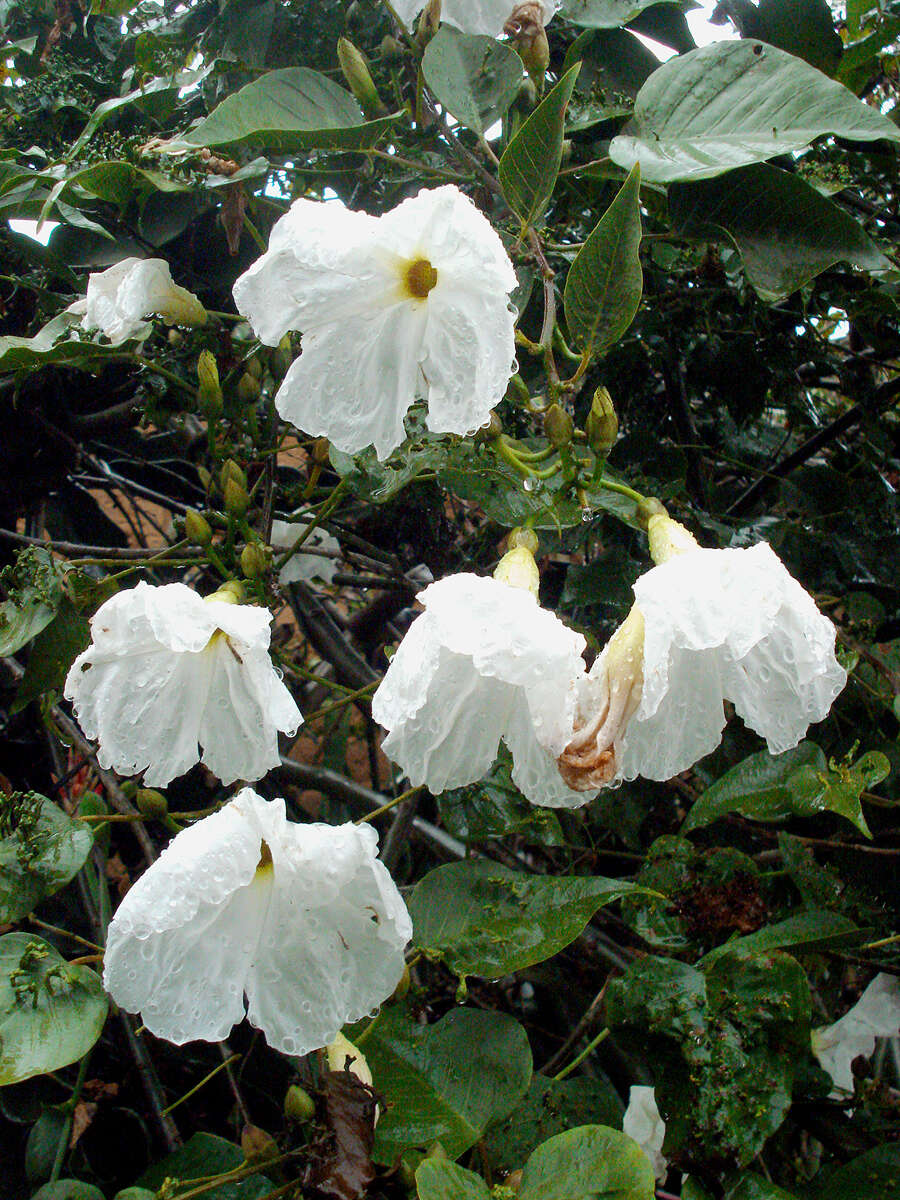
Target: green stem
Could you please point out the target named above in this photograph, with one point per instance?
(66, 1130)
(196, 1088)
(163, 372)
(328, 505)
(576, 1062)
(530, 456)
(378, 812)
(344, 700)
(255, 234)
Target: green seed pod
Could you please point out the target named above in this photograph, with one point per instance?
(298, 1104)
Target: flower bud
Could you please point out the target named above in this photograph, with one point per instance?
(668, 538)
(128, 788)
(254, 560)
(602, 424)
(253, 366)
(558, 426)
(390, 49)
(151, 803)
(281, 357)
(248, 388)
(521, 536)
(298, 1104)
(197, 528)
(526, 29)
(491, 430)
(517, 568)
(237, 499)
(257, 1145)
(209, 393)
(205, 478)
(174, 337)
(231, 470)
(428, 22)
(356, 72)
(231, 592)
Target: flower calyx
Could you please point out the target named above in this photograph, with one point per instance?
(668, 538)
(525, 26)
(517, 568)
(591, 759)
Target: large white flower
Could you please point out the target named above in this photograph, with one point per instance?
(119, 299)
(302, 565)
(644, 1125)
(413, 303)
(876, 1014)
(472, 16)
(484, 662)
(303, 920)
(707, 626)
(167, 670)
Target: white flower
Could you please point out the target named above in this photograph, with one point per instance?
(166, 670)
(483, 662)
(119, 299)
(303, 920)
(644, 1125)
(707, 625)
(413, 303)
(302, 565)
(471, 16)
(876, 1014)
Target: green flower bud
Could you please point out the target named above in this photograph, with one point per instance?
(668, 538)
(391, 50)
(356, 72)
(254, 560)
(128, 789)
(197, 528)
(209, 393)
(253, 366)
(257, 1145)
(205, 478)
(517, 568)
(521, 536)
(237, 499)
(558, 426)
(602, 424)
(298, 1104)
(535, 54)
(151, 803)
(281, 357)
(248, 388)
(231, 592)
(231, 470)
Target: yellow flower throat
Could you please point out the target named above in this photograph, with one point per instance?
(419, 278)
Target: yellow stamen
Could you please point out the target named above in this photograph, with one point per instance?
(419, 278)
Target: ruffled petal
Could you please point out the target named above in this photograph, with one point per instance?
(643, 1124)
(876, 1014)
(471, 16)
(181, 942)
(332, 946)
(534, 771)
(355, 380)
(301, 565)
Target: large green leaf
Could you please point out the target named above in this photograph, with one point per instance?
(801, 27)
(603, 14)
(591, 1162)
(68, 1189)
(732, 103)
(483, 919)
(796, 783)
(786, 231)
(45, 850)
(290, 109)
(721, 1045)
(604, 283)
(33, 596)
(444, 1082)
(54, 650)
(550, 1106)
(46, 348)
(530, 163)
(754, 1187)
(51, 1013)
(810, 930)
(475, 78)
(204, 1155)
(875, 1174)
(437, 1179)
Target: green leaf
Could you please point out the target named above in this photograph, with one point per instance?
(51, 1013)
(550, 1106)
(483, 919)
(604, 283)
(721, 1046)
(33, 588)
(204, 1154)
(797, 783)
(754, 1187)
(46, 850)
(496, 808)
(475, 78)
(860, 60)
(530, 163)
(55, 649)
(603, 14)
(613, 62)
(808, 929)
(290, 109)
(588, 1163)
(68, 1189)
(444, 1082)
(45, 348)
(732, 103)
(801, 27)
(440, 1180)
(786, 231)
(762, 786)
(873, 1174)
(157, 97)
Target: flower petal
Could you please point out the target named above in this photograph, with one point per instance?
(535, 772)
(876, 1014)
(643, 1123)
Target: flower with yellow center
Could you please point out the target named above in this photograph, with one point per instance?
(170, 679)
(302, 920)
(412, 304)
(706, 626)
